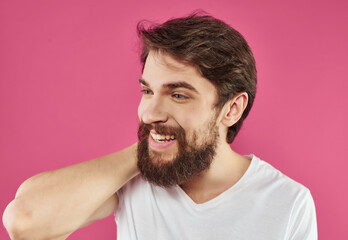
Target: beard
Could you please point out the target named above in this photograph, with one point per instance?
(192, 158)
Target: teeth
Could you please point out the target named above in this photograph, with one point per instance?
(158, 137)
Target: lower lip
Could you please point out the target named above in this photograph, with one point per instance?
(160, 145)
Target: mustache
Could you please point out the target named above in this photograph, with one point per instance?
(144, 130)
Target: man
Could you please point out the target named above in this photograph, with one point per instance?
(181, 180)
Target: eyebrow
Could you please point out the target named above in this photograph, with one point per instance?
(173, 85)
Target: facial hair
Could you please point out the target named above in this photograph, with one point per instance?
(192, 158)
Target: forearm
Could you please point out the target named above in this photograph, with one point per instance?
(60, 201)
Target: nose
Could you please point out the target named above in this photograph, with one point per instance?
(153, 111)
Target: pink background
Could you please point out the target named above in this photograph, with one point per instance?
(69, 91)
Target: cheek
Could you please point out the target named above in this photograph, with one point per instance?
(192, 119)
(197, 115)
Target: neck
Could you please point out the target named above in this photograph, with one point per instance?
(226, 169)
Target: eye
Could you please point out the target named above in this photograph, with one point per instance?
(145, 91)
(179, 96)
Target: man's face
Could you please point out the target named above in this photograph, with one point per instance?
(178, 130)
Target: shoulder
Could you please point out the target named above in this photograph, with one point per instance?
(136, 184)
(283, 198)
(273, 178)
(274, 187)
(279, 189)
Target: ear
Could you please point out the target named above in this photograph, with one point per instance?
(234, 109)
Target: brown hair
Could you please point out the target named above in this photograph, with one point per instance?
(219, 52)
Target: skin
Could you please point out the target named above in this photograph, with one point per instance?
(40, 209)
(54, 204)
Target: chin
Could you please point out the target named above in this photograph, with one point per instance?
(161, 158)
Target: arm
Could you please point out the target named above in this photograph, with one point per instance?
(53, 204)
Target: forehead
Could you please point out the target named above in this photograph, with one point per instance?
(161, 69)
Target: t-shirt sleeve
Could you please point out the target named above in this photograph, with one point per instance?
(303, 221)
(120, 196)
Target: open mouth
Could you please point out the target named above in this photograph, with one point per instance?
(162, 138)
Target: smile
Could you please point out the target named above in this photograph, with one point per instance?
(160, 142)
(161, 138)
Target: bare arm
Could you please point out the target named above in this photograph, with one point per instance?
(53, 204)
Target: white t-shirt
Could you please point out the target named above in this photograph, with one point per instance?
(263, 204)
